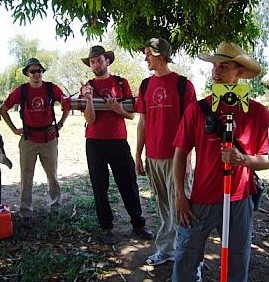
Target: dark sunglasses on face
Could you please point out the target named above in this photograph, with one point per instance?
(36, 71)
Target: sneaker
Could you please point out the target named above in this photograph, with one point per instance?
(143, 233)
(198, 277)
(109, 238)
(159, 258)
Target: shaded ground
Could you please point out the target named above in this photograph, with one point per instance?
(124, 261)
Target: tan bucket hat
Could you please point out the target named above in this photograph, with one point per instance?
(228, 51)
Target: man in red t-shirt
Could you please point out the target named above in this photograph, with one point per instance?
(161, 108)
(200, 214)
(39, 134)
(106, 144)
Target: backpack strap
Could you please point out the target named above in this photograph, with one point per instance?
(182, 84)
(205, 107)
(181, 91)
(144, 86)
(50, 102)
(120, 82)
(212, 124)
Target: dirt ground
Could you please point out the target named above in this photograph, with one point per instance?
(131, 251)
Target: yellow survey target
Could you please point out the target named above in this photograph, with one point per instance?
(231, 94)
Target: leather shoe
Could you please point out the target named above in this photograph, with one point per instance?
(143, 233)
(27, 222)
(109, 238)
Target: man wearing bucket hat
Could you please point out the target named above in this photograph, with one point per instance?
(106, 144)
(38, 134)
(161, 107)
(202, 213)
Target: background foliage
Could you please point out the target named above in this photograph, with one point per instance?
(124, 26)
(187, 24)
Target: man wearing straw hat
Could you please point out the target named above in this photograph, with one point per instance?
(202, 213)
(106, 144)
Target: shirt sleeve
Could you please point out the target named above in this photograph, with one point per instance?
(263, 139)
(58, 93)
(14, 98)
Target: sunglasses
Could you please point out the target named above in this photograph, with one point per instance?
(36, 71)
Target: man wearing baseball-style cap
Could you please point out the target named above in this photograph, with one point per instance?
(203, 211)
(160, 106)
(160, 47)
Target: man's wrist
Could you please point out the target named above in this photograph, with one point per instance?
(244, 160)
(60, 124)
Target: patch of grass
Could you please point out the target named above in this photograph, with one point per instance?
(76, 186)
(86, 203)
(88, 222)
(48, 265)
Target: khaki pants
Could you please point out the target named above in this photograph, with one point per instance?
(48, 155)
(160, 175)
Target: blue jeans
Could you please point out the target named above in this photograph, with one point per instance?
(115, 153)
(191, 241)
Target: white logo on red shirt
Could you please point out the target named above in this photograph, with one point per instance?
(37, 104)
(107, 94)
(159, 96)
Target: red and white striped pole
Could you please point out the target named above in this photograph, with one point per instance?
(228, 142)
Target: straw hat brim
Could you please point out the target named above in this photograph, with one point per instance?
(252, 68)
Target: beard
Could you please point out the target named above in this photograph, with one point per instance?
(100, 72)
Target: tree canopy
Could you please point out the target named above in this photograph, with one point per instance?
(192, 25)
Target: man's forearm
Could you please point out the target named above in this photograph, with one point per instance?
(140, 137)
(259, 162)
(7, 118)
(89, 112)
(179, 170)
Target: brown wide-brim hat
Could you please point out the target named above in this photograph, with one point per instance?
(228, 51)
(96, 51)
(32, 61)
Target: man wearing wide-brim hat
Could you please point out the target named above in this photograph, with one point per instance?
(97, 51)
(228, 51)
(106, 144)
(31, 62)
(39, 134)
(203, 212)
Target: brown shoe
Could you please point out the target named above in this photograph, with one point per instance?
(27, 222)
(143, 233)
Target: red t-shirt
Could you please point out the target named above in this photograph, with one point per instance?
(250, 131)
(108, 124)
(37, 112)
(161, 106)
